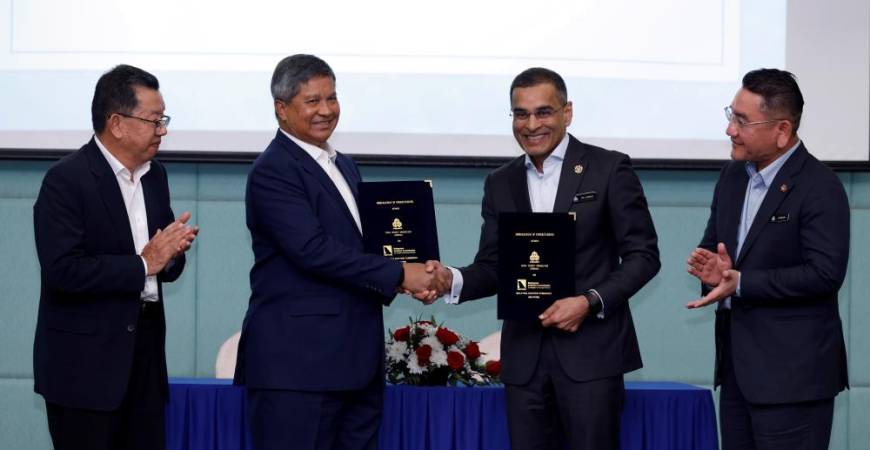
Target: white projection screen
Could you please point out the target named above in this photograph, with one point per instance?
(420, 80)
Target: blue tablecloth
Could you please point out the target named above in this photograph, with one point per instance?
(208, 414)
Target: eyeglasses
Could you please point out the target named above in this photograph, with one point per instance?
(540, 113)
(162, 122)
(741, 122)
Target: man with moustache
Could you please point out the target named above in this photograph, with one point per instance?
(107, 239)
(773, 256)
(563, 374)
(311, 354)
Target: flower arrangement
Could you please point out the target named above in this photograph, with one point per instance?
(426, 353)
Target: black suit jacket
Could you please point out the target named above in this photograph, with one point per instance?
(616, 254)
(91, 279)
(786, 334)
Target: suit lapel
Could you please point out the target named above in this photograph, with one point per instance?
(774, 197)
(149, 191)
(310, 165)
(730, 208)
(110, 195)
(573, 171)
(350, 176)
(348, 173)
(518, 184)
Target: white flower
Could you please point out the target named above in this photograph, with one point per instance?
(429, 329)
(433, 342)
(397, 351)
(413, 366)
(438, 358)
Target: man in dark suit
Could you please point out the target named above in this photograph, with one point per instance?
(773, 256)
(564, 372)
(311, 352)
(107, 239)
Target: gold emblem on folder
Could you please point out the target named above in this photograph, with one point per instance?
(397, 224)
(534, 258)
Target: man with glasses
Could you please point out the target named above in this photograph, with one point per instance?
(107, 239)
(773, 257)
(563, 374)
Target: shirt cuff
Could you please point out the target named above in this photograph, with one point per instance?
(144, 263)
(455, 290)
(739, 279)
(600, 314)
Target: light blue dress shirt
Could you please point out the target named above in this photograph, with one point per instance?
(756, 190)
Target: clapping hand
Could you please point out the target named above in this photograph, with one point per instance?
(714, 270)
(708, 266)
(168, 243)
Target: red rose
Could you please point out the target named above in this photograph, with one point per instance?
(424, 352)
(472, 350)
(455, 360)
(446, 336)
(493, 368)
(402, 334)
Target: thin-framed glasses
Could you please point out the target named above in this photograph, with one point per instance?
(540, 113)
(741, 122)
(162, 122)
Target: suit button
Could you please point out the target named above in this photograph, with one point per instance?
(131, 328)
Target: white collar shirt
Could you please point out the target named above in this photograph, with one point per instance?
(325, 158)
(134, 201)
(544, 185)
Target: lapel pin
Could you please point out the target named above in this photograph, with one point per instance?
(783, 188)
(578, 169)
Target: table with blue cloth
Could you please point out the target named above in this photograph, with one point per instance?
(209, 414)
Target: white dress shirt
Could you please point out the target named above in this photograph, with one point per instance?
(325, 158)
(134, 201)
(542, 196)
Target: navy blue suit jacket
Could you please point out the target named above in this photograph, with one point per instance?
(91, 279)
(786, 334)
(616, 253)
(314, 321)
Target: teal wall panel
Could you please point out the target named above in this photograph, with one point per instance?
(226, 258)
(857, 421)
(676, 343)
(23, 425)
(856, 318)
(19, 287)
(180, 303)
(206, 305)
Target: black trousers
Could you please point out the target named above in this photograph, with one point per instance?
(139, 423)
(752, 426)
(554, 412)
(305, 420)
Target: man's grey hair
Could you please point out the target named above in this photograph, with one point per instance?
(293, 71)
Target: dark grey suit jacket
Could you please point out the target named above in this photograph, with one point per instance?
(616, 254)
(786, 334)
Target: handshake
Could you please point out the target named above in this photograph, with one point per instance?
(426, 282)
